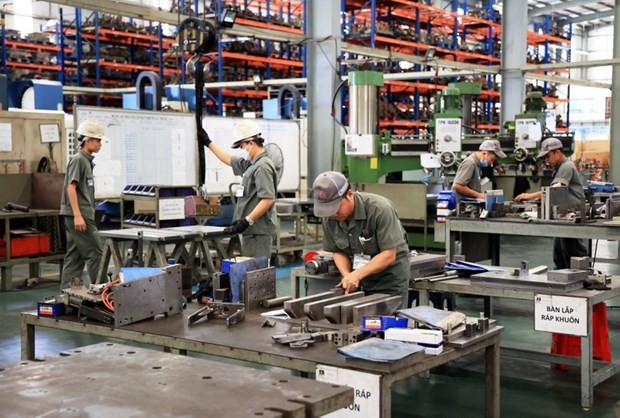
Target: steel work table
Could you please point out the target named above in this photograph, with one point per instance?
(129, 381)
(503, 226)
(7, 263)
(248, 341)
(155, 241)
(589, 377)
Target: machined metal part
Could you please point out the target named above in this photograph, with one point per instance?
(314, 310)
(295, 308)
(580, 263)
(532, 281)
(554, 202)
(539, 269)
(342, 312)
(259, 285)
(525, 268)
(96, 313)
(483, 324)
(231, 312)
(222, 295)
(271, 303)
(148, 296)
(567, 275)
(471, 329)
(385, 306)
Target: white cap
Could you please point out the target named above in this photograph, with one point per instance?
(90, 128)
(245, 130)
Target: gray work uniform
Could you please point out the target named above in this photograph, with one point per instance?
(375, 219)
(82, 247)
(259, 182)
(565, 248)
(469, 174)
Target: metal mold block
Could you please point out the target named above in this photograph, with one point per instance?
(342, 312)
(566, 275)
(532, 281)
(259, 285)
(314, 310)
(295, 308)
(48, 388)
(385, 306)
(149, 296)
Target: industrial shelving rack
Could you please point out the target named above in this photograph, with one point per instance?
(467, 35)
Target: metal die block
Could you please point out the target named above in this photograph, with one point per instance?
(149, 296)
(295, 308)
(580, 263)
(342, 312)
(567, 275)
(259, 285)
(386, 306)
(314, 310)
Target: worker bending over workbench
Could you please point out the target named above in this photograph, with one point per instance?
(364, 233)
(467, 182)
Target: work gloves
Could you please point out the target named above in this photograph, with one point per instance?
(203, 137)
(237, 226)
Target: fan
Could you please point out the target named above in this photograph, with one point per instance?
(275, 153)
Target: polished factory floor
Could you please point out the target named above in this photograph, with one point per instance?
(528, 389)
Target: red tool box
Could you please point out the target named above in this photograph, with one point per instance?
(26, 242)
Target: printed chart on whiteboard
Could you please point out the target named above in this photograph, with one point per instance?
(281, 139)
(142, 147)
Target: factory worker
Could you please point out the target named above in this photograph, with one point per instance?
(364, 233)
(467, 182)
(565, 174)
(255, 216)
(77, 207)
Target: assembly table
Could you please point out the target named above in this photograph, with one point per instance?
(123, 381)
(155, 242)
(494, 227)
(589, 376)
(7, 263)
(248, 341)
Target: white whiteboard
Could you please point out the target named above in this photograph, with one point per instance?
(284, 133)
(142, 147)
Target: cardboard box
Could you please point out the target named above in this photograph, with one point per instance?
(25, 242)
(196, 205)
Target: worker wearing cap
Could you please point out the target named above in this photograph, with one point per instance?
(364, 233)
(254, 217)
(77, 206)
(565, 174)
(467, 182)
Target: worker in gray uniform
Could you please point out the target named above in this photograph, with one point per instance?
(255, 216)
(364, 233)
(77, 207)
(565, 174)
(467, 182)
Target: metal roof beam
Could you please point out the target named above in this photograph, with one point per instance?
(563, 5)
(569, 65)
(587, 18)
(571, 81)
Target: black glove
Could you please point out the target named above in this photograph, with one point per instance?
(237, 226)
(203, 138)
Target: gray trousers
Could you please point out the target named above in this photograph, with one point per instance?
(83, 248)
(256, 245)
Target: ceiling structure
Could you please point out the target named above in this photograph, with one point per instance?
(585, 13)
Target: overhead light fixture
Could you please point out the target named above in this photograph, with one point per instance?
(257, 79)
(228, 18)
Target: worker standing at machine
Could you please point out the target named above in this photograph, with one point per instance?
(467, 182)
(565, 174)
(364, 233)
(77, 207)
(255, 216)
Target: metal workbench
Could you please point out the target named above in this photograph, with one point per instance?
(248, 341)
(124, 381)
(495, 227)
(34, 262)
(589, 376)
(155, 242)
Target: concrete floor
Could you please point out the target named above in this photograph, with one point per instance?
(528, 389)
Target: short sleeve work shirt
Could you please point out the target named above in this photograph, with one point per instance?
(469, 174)
(80, 171)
